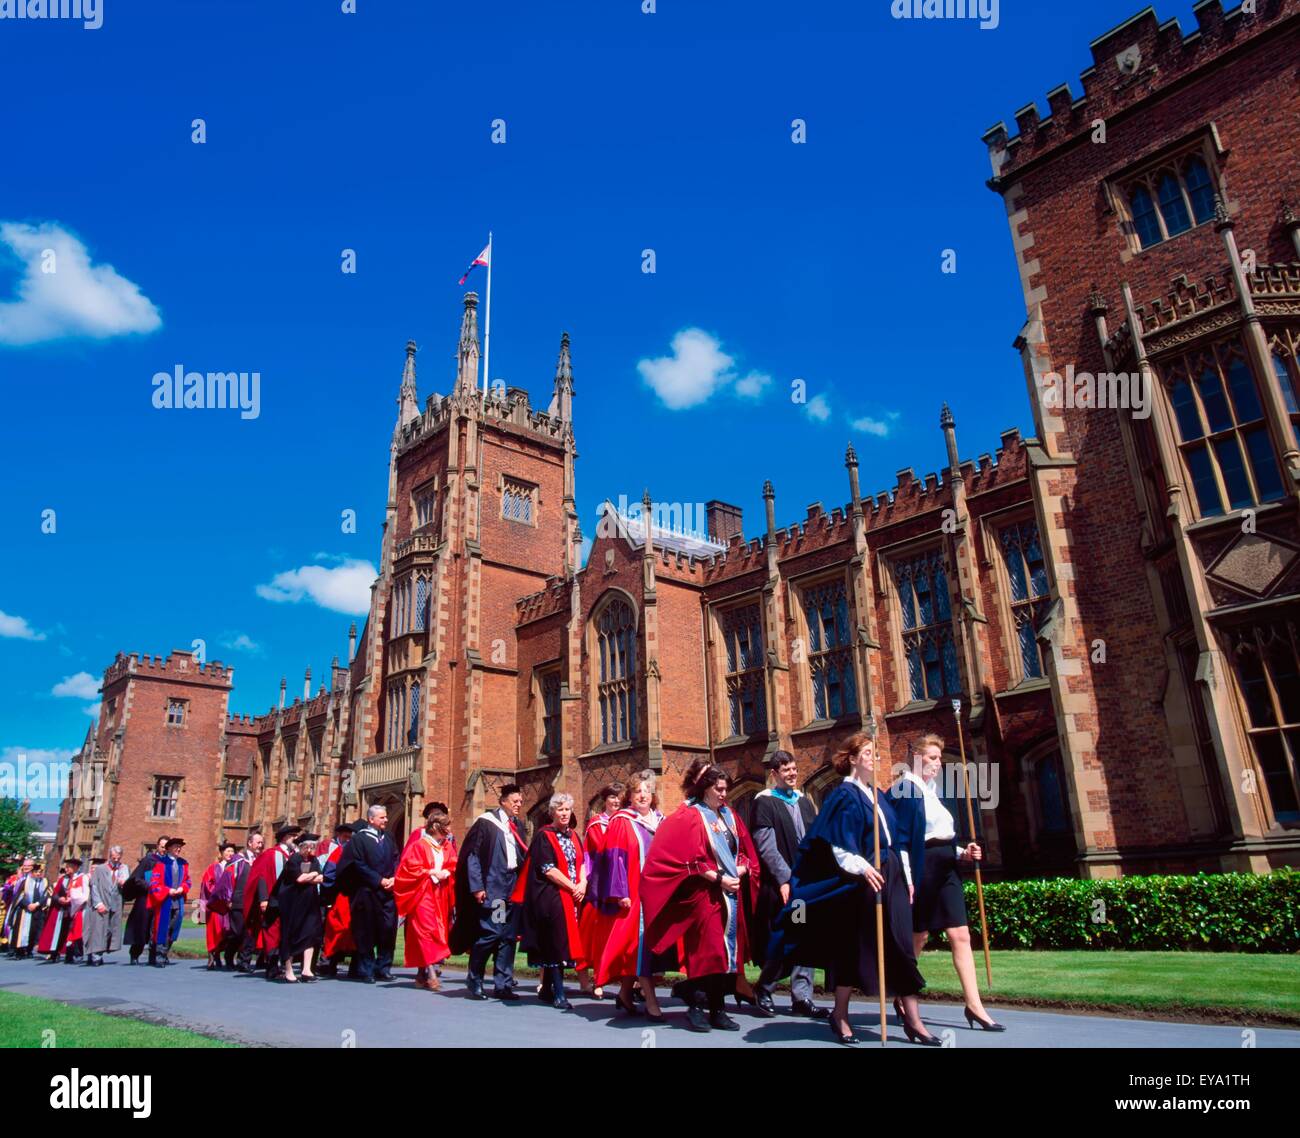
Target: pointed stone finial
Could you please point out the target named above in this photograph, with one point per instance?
(1289, 218)
(769, 506)
(946, 421)
(1097, 305)
(949, 427)
(284, 683)
(408, 398)
(562, 400)
(1221, 219)
(467, 376)
(352, 643)
(851, 457)
(768, 491)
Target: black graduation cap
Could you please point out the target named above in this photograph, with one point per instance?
(72, 861)
(343, 828)
(98, 860)
(309, 837)
(175, 842)
(287, 832)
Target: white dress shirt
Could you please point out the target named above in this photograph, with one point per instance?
(939, 825)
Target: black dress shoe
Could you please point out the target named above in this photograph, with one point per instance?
(840, 1037)
(808, 1010)
(385, 977)
(987, 1024)
(476, 994)
(696, 1020)
(926, 1040)
(723, 1022)
(764, 1008)
(508, 995)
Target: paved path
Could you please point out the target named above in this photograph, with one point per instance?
(251, 1010)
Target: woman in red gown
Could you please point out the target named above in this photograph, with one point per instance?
(698, 880)
(424, 891)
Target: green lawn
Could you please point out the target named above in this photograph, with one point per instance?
(1260, 987)
(28, 1021)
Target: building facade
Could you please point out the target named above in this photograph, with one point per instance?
(1113, 601)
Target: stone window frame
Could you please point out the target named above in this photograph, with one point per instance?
(755, 675)
(1173, 160)
(425, 492)
(520, 490)
(1285, 731)
(173, 703)
(629, 683)
(848, 651)
(175, 783)
(547, 678)
(993, 534)
(912, 551)
(1284, 354)
(1184, 366)
(239, 801)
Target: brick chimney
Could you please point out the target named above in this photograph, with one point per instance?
(724, 520)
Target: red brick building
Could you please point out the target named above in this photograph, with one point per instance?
(1123, 642)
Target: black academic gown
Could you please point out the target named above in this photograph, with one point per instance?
(771, 813)
(301, 927)
(139, 922)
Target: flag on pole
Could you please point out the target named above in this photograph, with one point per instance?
(484, 259)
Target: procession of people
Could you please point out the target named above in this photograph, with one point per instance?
(853, 890)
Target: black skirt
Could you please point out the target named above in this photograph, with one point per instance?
(855, 963)
(939, 902)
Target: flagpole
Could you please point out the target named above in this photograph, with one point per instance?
(487, 324)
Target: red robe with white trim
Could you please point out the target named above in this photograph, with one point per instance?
(424, 905)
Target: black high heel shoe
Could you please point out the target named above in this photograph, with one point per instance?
(987, 1024)
(914, 1036)
(629, 1008)
(898, 1011)
(840, 1037)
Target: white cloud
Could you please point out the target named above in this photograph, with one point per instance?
(77, 298)
(343, 588)
(818, 408)
(243, 643)
(34, 773)
(92, 710)
(697, 369)
(17, 628)
(81, 686)
(878, 427)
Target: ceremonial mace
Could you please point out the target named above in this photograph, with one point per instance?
(880, 893)
(974, 837)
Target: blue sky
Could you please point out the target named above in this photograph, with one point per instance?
(372, 131)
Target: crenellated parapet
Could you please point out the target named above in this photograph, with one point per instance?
(1130, 63)
(177, 666)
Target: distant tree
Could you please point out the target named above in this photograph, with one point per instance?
(15, 834)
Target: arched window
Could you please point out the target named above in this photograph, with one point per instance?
(413, 730)
(1222, 433)
(421, 603)
(830, 650)
(746, 677)
(615, 653)
(928, 647)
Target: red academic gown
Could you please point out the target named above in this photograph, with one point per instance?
(589, 925)
(682, 908)
(215, 910)
(262, 877)
(58, 922)
(80, 893)
(161, 903)
(426, 907)
(338, 921)
(617, 933)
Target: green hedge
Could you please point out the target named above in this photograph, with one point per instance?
(1223, 912)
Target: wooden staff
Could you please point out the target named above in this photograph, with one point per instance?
(880, 893)
(970, 821)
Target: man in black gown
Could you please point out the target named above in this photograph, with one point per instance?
(139, 923)
(367, 870)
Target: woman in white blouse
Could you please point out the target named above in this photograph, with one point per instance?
(937, 900)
